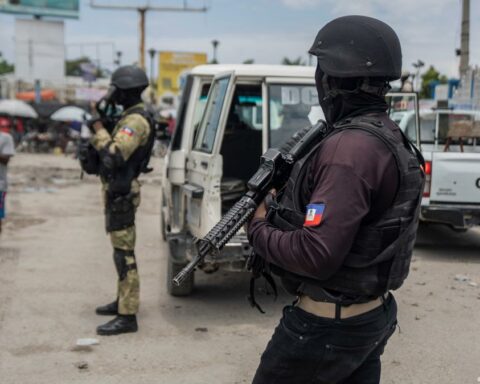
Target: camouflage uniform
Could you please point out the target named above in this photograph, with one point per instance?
(131, 132)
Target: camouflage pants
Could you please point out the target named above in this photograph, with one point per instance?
(123, 243)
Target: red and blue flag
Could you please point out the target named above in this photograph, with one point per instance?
(314, 215)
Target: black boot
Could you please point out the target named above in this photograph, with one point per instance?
(120, 324)
(108, 310)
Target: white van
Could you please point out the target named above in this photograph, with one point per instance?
(450, 142)
(217, 146)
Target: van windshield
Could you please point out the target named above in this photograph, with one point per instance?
(291, 108)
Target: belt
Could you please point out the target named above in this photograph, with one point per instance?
(328, 310)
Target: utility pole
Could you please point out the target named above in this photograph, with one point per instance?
(142, 10)
(465, 37)
(152, 53)
(215, 44)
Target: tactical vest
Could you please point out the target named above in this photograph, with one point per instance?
(380, 256)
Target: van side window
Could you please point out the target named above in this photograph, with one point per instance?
(209, 125)
(291, 107)
(242, 141)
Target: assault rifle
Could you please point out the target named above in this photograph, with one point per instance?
(274, 170)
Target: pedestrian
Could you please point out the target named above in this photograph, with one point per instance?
(122, 154)
(7, 150)
(341, 233)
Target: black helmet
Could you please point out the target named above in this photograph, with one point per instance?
(358, 46)
(129, 77)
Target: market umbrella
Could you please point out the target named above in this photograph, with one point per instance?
(70, 113)
(17, 108)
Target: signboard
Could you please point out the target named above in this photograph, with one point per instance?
(441, 92)
(89, 72)
(56, 8)
(39, 50)
(89, 94)
(171, 67)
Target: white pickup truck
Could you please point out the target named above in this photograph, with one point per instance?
(450, 142)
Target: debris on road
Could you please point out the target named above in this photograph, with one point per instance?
(462, 278)
(82, 365)
(85, 345)
(466, 279)
(87, 341)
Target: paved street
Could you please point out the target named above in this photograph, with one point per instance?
(56, 266)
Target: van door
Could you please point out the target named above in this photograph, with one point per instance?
(204, 163)
(189, 113)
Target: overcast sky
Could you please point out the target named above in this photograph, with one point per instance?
(264, 30)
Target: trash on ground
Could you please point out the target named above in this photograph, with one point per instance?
(462, 278)
(82, 365)
(87, 341)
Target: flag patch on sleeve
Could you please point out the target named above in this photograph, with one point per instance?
(127, 131)
(314, 215)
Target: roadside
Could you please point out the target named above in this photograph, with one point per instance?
(56, 267)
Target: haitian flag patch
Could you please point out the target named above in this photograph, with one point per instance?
(314, 215)
(127, 131)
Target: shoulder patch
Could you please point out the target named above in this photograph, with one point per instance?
(127, 131)
(314, 215)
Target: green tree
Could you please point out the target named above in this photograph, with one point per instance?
(430, 76)
(5, 67)
(297, 61)
(249, 61)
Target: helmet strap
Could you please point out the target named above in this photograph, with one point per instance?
(377, 90)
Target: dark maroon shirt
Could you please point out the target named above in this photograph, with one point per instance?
(355, 175)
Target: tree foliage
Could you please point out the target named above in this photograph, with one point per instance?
(297, 61)
(249, 61)
(431, 76)
(5, 67)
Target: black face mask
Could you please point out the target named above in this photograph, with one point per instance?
(349, 102)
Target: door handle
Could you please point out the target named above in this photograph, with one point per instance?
(204, 164)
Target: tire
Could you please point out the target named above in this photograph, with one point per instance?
(184, 289)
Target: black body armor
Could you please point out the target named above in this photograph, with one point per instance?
(380, 256)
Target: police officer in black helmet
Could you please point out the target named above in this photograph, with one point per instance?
(120, 153)
(341, 233)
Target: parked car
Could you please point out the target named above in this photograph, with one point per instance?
(450, 142)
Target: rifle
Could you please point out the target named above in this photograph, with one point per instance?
(275, 167)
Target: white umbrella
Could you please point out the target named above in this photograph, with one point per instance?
(70, 113)
(18, 108)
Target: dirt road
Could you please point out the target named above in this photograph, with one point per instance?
(56, 266)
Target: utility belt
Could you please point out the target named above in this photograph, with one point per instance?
(119, 211)
(337, 310)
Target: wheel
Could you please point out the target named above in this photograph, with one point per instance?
(174, 267)
(183, 289)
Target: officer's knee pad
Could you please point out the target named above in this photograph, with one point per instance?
(124, 262)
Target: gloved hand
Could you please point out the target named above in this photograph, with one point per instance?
(94, 121)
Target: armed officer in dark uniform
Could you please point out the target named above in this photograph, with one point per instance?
(341, 233)
(118, 156)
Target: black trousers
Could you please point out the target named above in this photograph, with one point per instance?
(309, 349)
